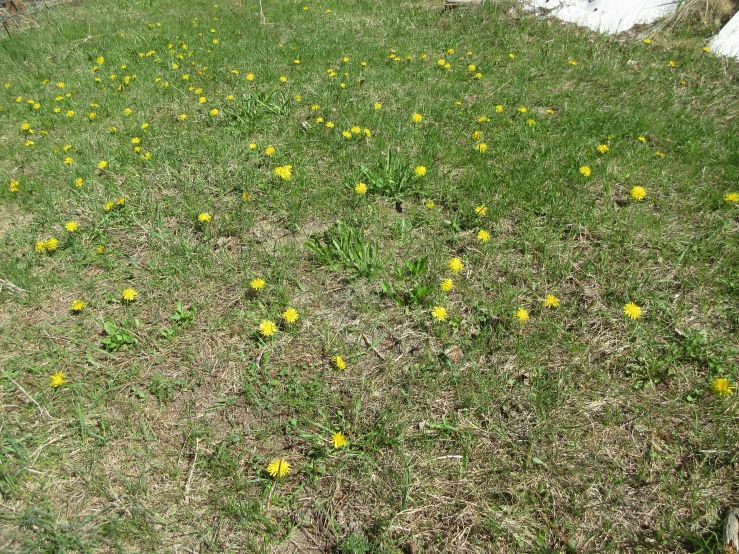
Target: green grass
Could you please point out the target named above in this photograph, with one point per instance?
(577, 431)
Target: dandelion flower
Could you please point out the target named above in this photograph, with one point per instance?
(439, 313)
(14, 186)
(522, 315)
(446, 285)
(378, 106)
(102, 164)
(647, 41)
(417, 118)
(602, 148)
(722, 387)
(346, 134)
(51, 244)
(731, 197)
(360, 188)
(551, 301)
(455, 265)
(284, 172)
(290, 315)
(339, 363)
(586, 171)
(245, 196)
(481, 210)
(420, 171)
(68, 160)
(482, 147)
(430, 204)
(40, 246)
(249, 76)
(483, 236)
(79, 181)
(278, 468)
(129, 295)
(638, 193)
(267, 328)
(632, 311)
(257, 284)
(269, 151)
(71, 226)
(672, 63)
(108, 206)
(338, 440)
(77, 305)
(57, 380)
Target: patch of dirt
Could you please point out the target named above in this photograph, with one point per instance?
(11, 218)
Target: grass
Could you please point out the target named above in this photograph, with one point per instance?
(579, 430)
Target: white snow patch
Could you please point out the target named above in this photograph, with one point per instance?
(726, 42)
(607, 16)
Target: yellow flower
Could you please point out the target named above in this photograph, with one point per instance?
(204, 217)
(283, 79)
(573, 62)
(355, 129)
(522, 109)
(420, 171)
(522, 315)
(586, 171)
(367, 133)
(481, 210)
(482, 147)
(40, 246)
(447, 285)
(245, 196)
(647, 41)
(14, 186)
(430, 204)
(71, 226)
(346, 134)
(129, 295)
(483, 236)
(338, 439)
(77, 305)
(551, 301)
(638, 193)
(214, 111)
(267, 328)
(102, 164)
(278, 468)
(92, 115)
(100, 60)
(378, 106)
(79, 181)
(439, 313)
(51, 244)
(455, 265)
(602, 148)
(511, 55)
(257, 284)
(722, 387)
(642, 139)
(60, 84)
(476, 135)
(249, 76)
(632, 311)
(202, 99)
(360, 188)
(706, 49)
(483, 119)
(284, 172)
(108, 206)
(417, 118)
(330, 124)
(441, 62)
(471, 68)
(672, 63)
(290, 315)
(732, 197)
(57, 380)
(128, 111)
(135, 140)
(339, 363)
(270, 150)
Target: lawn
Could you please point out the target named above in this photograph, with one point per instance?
(365, 277)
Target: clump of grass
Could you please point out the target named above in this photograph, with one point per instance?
(345, 247)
